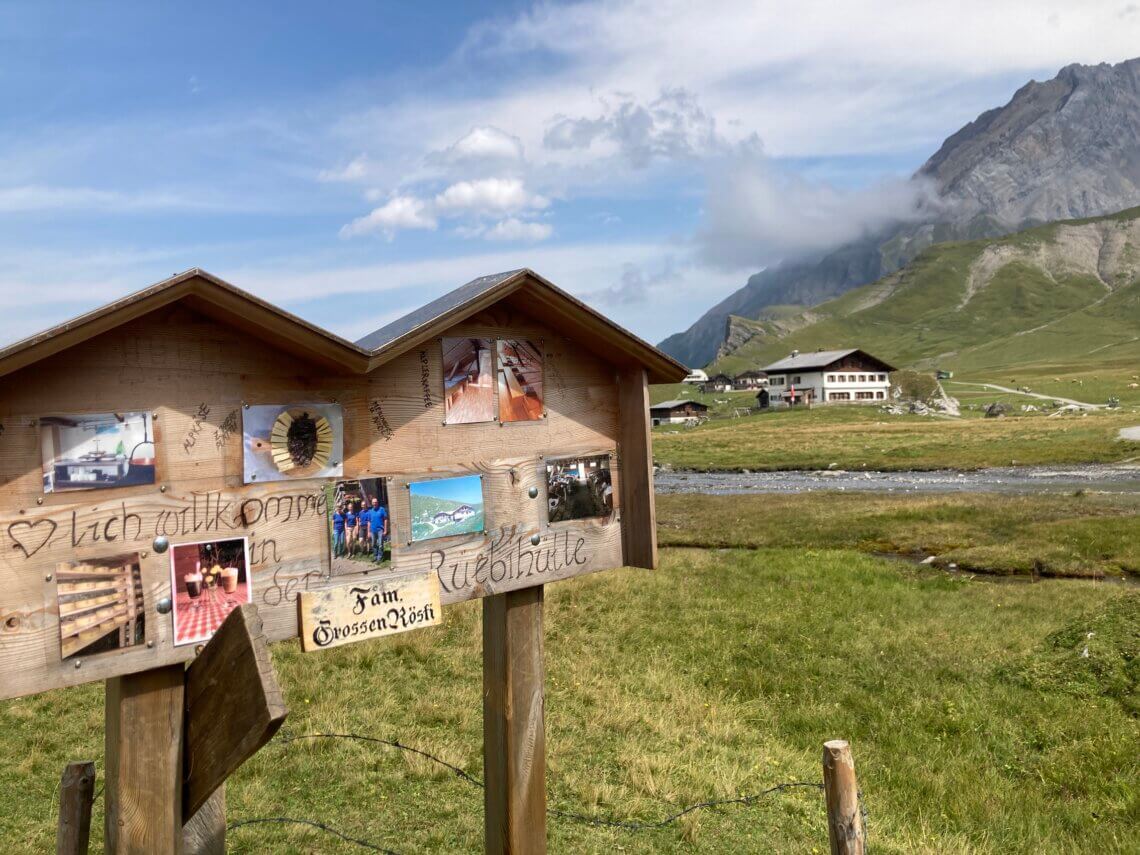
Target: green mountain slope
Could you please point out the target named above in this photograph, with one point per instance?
(1065, 294)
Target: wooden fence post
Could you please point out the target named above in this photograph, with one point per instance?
(844, 821)
(76, 794)
(514, 742)
(144, 763)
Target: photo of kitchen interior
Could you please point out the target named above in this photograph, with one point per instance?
(96, 451)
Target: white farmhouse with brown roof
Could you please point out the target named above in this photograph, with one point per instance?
(829, 376)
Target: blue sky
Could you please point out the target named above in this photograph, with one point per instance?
(350, 161)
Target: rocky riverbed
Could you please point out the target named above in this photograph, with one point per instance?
(1012, 479)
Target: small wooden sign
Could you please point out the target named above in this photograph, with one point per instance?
(368, 609)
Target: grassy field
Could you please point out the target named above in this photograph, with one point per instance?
(865, 438)
(977, 725)
(1090, 536)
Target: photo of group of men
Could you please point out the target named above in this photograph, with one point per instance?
(359, 524)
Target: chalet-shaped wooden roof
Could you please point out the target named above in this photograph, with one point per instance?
(216, 298)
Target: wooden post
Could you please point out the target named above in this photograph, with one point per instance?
(635, 444)
(514, 742)
(844, 821)
(144, 763)
(76, 794)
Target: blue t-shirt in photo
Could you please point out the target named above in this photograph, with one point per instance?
(338, 522)
(378, 516)
(350, 519)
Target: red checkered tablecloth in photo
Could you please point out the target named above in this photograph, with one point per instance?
(198, 624)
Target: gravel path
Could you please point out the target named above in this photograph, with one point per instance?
(1032, 395)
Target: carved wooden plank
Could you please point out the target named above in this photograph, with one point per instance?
(76, 795)
(507, 559)
(234, 705)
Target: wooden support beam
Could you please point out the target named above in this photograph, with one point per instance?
(844, 821)
(76, 795)
(234, 705)
(514, 741)
(144, 763)
(635, 446)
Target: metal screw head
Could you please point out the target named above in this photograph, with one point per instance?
(161, 544)
(533, 492)
(535, 539)
(164, 605)
(40, 500)
(150, 644)
(78, 663)
(162, 489)
(48, 577)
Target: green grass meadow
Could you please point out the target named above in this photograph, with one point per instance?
(978, 724)
(866, 438)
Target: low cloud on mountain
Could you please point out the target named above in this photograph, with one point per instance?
(756, 214)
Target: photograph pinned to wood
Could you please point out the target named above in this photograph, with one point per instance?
(520, 380)
(468, 393)
(96, 451)
(285, 442)
(444, 507)
(359, 525)
(101, 606)
(208, 580)
(579, 488)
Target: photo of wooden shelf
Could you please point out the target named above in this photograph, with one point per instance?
(100, 606)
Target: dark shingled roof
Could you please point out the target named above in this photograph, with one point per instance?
(426, 314)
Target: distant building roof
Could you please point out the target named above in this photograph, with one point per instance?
(672, 405)
(752, 372)
(820, 359)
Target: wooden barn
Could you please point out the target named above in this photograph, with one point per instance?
(677, 412)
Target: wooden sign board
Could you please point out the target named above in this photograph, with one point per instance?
(385, 606)
(102, 582)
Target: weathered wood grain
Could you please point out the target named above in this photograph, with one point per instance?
(635, 448)
(508, 559)
(514, 736)
(76, 795)
(205, 832)
(844, 821)
(234, 705)
(143, 790)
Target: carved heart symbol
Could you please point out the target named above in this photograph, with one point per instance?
(27, 547)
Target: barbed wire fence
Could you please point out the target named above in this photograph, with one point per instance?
(594, 820)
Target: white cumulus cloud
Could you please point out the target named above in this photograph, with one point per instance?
(514, 229)
(489, 194)
(482, 143)
(399, 212)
